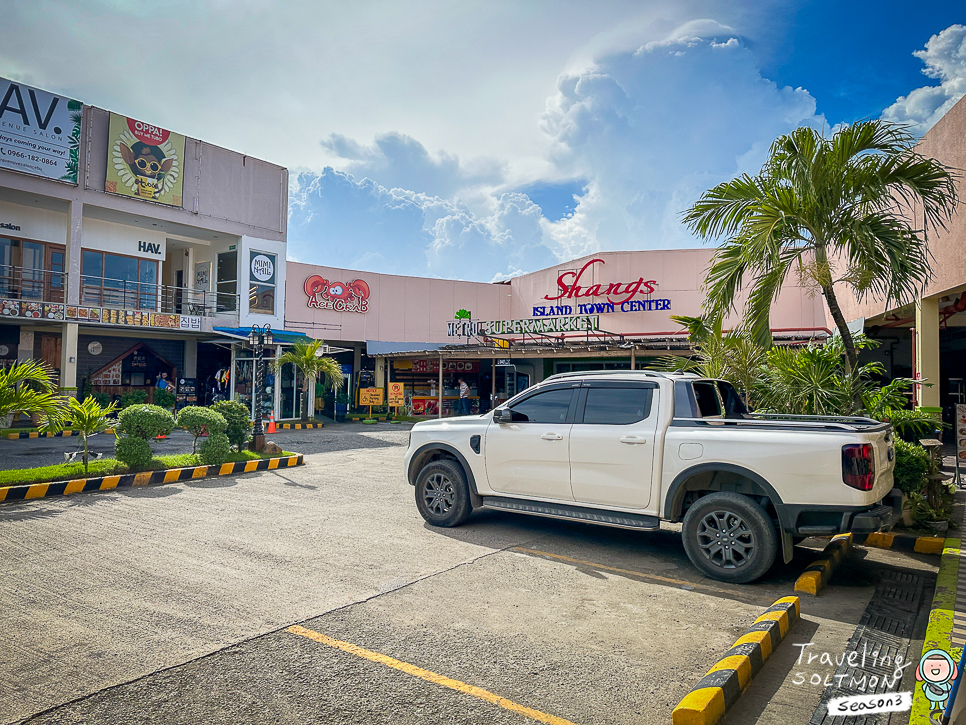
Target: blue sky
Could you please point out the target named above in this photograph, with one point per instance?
(480, 139)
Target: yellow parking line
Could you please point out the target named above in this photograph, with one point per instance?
(429, 676)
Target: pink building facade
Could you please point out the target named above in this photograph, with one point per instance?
(611, 310)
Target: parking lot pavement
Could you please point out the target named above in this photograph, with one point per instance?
(172, 604)
(36, 452)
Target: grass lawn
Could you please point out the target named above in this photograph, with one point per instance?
(111, 467)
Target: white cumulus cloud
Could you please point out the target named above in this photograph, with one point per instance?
(945, 60)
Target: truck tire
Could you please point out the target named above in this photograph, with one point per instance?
(729, 537)
(442, 496)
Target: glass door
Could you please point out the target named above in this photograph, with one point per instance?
(32, 265)
(55, 282)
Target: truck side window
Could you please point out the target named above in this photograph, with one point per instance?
(707, 397)
(734, 406)
(548, 407)
(617, 406)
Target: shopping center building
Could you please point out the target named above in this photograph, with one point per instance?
(610, 310)
(128, 251)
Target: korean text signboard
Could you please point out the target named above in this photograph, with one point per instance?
(144, 161)
(39, 132)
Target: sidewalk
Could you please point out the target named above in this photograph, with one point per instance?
(947, 618)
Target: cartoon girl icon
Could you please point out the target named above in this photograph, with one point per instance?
(936, 672)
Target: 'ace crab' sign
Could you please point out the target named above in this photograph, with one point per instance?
(339, 296)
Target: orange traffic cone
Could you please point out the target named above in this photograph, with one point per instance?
(271, 425)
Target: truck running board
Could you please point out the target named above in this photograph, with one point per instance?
(640, 522)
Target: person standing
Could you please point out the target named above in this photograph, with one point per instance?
(464, 408)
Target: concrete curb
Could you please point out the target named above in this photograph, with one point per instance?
(24, 435)
(299, 426)
(720, 688)
(818, 574)
(905, 542)
(145, 478)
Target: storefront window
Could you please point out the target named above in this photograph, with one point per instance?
(118, 281)
(227, 281)
(243, 387)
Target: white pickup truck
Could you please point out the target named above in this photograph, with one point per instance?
(632, 449)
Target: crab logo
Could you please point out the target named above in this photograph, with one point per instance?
(338, 296)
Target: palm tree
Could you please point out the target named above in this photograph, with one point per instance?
(29, 387)
(88, 418)
(307, 357)
(826, 207)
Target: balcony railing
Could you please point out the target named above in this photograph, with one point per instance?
(46, 286)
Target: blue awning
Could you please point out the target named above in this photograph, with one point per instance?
(285, 337)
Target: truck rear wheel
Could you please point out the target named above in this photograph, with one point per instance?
(442, 496)
(729, 537)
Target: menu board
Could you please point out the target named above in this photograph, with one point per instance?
(187, 392)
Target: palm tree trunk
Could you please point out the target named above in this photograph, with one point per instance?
(851, 356)
(305, 399)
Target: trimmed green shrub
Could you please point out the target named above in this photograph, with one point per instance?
(236, 415)
(103, 399)
(912, 464)
(164, 398)
(197, 420)
(134, 397)
(136, 453)
(145, 421)
(214, 450)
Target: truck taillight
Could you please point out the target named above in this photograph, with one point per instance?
(858, 466)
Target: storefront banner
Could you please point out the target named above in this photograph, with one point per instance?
(98, 315)
(39, 132)
(961, 432)
(144, 161)
(537, 326)
(449, 366)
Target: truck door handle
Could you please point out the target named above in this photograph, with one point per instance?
(552, 437)
(632, 439)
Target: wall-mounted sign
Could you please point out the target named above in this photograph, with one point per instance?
(144, 161)
(615, 292)
(339, 296)
(95, 348)
(97, 315)
(11, 227)
(449, 366)
(39, 132)
(592, 308)
(538, 326)
(149, 248)
(203, 276)
(263, 267)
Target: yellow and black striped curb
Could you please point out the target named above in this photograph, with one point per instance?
(145, 478)
(905, 542)
(816, 576)
(300, 426)
(23, 435)
(719, 690)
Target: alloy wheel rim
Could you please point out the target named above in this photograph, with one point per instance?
(725, 539)
(439, 494)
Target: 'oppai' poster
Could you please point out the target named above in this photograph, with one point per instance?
(144, 161)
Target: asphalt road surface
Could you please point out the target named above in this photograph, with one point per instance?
(318, 594)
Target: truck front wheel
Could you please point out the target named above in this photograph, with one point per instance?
(729, 537)
(442, 496)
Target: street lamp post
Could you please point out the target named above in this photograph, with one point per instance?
(258, 338)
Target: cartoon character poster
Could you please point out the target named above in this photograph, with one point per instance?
(144, 161)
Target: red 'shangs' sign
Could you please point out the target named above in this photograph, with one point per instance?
(615, 292)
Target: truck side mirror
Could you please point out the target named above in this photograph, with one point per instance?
(502, 415)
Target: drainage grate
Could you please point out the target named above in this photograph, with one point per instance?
(883, 632)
